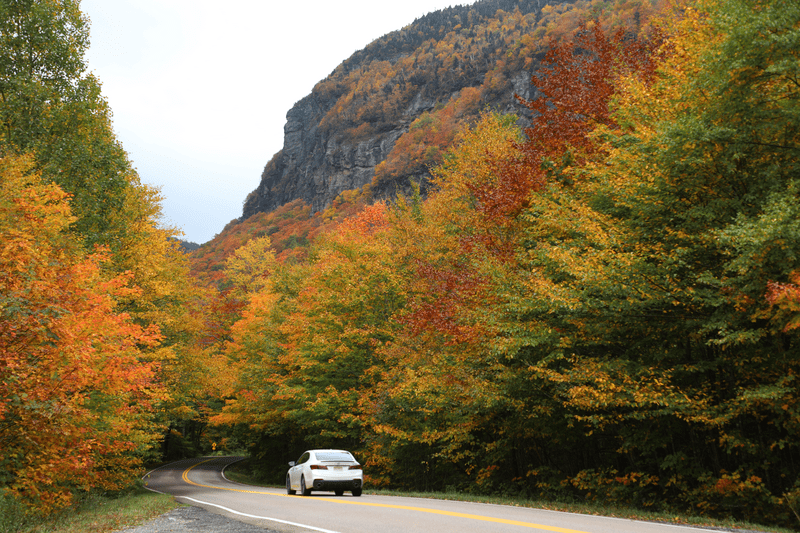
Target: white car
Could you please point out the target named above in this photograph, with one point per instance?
(335, 470)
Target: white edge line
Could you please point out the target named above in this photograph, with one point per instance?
(259, 517)
(222, 472)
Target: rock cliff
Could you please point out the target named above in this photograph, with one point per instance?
(315, 165)
(336, 136)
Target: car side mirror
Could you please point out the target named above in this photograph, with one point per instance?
(291, 463)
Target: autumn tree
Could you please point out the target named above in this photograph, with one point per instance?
(443, 391)
(76, 398)
(307, 346)
(251, 265)
(656, 250)
(53, 113)
(727, 167)
(50, 107)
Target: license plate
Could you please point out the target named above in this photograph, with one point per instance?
(338, 468)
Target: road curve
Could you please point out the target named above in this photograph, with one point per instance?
(201, 482)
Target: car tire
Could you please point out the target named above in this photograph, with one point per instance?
(356, 492)
(305, 491)
(289, 490)
(338, 492)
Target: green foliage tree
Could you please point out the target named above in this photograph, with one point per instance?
(50, 107)
(660, 247)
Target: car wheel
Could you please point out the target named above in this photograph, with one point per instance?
(338, 492)
(289, 486)
(303, 490)
(356, 492)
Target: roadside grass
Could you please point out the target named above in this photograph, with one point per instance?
(238, 472)
(94, 513)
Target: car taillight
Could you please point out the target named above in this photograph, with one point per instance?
(355, 467)
(318, 467)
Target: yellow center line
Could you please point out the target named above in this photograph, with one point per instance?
(387, 506)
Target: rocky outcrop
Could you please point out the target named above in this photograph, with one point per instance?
(316, 166)
(318, 162)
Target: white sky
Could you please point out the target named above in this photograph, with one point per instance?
(200, 88)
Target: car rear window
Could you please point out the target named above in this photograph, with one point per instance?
(334, 456)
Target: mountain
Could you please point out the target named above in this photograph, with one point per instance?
(390, 110)
(188, 246)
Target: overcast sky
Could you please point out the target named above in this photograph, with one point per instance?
(200, 88)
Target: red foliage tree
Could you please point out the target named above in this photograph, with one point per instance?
(577, 83)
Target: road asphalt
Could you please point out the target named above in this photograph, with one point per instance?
(207, 482)
(191, 519)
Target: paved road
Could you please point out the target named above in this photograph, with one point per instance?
(201, 482)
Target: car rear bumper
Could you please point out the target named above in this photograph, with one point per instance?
(334, 484)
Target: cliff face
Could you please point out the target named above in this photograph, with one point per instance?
(314, 165)
(336, 136)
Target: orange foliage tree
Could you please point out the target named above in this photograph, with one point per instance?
(76, 390)
(577, 84)
(307, 346)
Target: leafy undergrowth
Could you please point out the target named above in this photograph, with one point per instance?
(238, 472)
(94, 514)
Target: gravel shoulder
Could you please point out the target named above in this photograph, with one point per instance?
(190, 519)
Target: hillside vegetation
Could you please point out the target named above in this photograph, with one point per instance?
(482, 46)
(602, 305)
